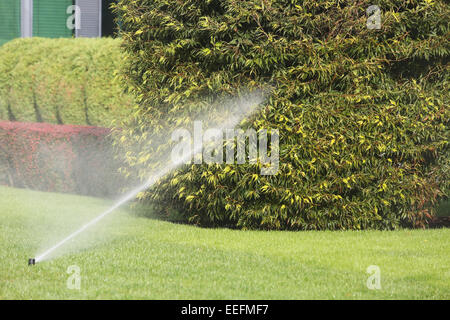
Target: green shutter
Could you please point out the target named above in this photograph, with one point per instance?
(9, 20)
(50, 18)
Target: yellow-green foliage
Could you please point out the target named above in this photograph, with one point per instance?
(363, 114)
(70, 81)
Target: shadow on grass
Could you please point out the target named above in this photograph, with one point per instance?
(443, 208)
(143, 210)
(441, 220)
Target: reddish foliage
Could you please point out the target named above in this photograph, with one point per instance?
(59, 158)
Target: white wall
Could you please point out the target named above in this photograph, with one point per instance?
(26, 18)
(91, 18)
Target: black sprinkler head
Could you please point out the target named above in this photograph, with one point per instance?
(31, 262)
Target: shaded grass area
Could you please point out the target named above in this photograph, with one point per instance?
(128, 256)
(443, 208)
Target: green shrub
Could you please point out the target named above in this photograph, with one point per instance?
(62, 81)
(362, 113)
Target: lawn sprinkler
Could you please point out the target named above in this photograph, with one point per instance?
(242, 109)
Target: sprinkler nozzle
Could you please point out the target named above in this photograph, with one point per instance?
(31, 261)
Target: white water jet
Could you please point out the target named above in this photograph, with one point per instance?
(239, 109)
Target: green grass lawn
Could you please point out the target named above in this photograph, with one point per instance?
(127, 256)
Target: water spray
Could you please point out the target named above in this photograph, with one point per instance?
(242, 108)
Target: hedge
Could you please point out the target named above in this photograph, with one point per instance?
(62, 81)
(362, 113)
(58, 158)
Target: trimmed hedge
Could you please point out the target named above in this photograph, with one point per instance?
(363, 114)
(62, 81)
(58, 158)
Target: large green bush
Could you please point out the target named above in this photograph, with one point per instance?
(64, 81)
(362, 113)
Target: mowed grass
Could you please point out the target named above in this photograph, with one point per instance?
(132, 257)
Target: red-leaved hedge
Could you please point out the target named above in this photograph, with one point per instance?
(58, 158)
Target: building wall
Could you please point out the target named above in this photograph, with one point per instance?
(50, 18)
(91, 11)
(9, 20)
